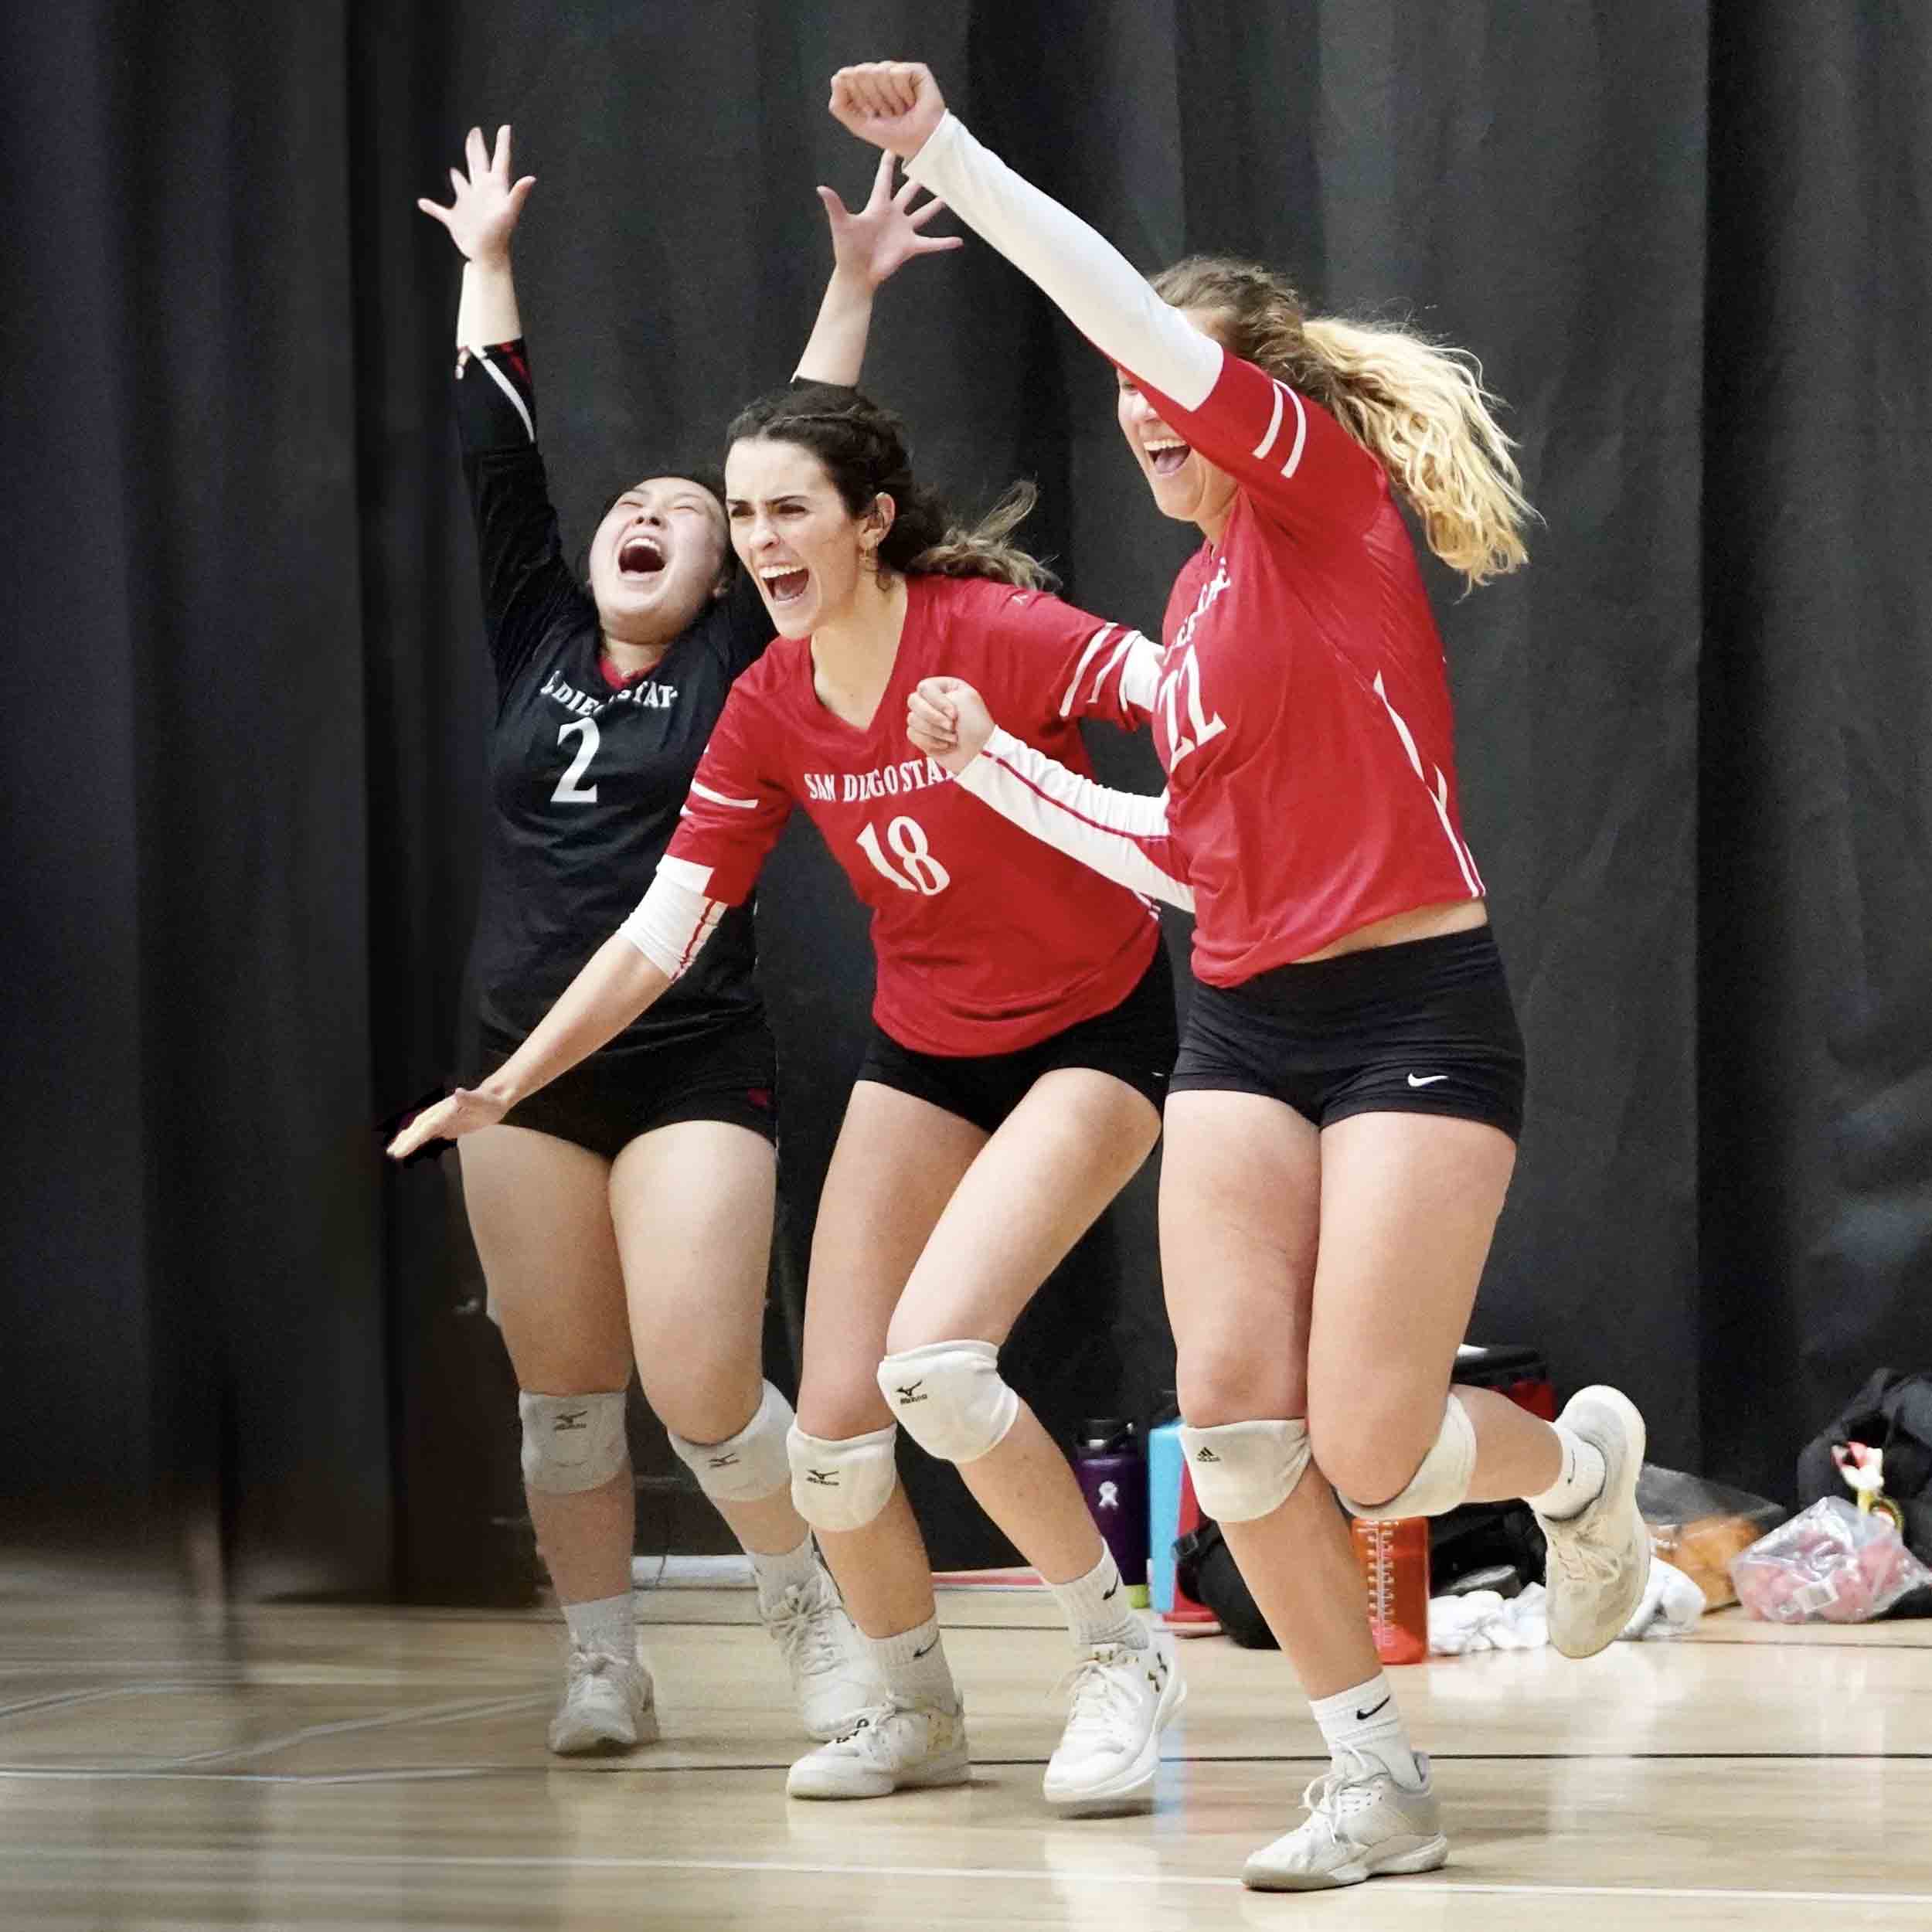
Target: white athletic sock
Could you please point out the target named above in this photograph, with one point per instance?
(608, 1623)
(1365, 1719)
(1097, 1611)
(793, 1570)
(1579, 1485)
(913, 1666)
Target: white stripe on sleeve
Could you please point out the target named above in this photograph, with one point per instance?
(674, 917)
(1135, 660)
(718, 798)
(509, 389)
(1102, 294)
(1107, 830)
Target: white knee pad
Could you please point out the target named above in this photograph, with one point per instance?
(1244, 1469)
(842, 1485)
(1442, 1482)
(750, 1466)
(949, 1398)
(571, 1443)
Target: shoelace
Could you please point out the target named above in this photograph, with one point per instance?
(1348, 1787)
(1098, 1696)
(588, 1667)
(1580, 1561)
(803, 1625)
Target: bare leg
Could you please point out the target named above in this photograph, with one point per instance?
(1240, 1209)
(896, 1164)
(691, 1205)
(539, 1208)
(1409, 1204)
(1063, 1153)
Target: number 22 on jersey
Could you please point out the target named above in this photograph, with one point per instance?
(923, 873)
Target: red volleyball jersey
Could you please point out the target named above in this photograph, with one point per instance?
(986, 940)
(1303, 714)
(1303, 717)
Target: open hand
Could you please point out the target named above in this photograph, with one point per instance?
(947, 720)
(463, 1112)
(483, 212)
(894, 104)
(884, 235)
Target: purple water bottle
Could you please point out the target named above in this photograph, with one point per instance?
(1113, 1476)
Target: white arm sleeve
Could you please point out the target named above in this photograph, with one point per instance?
(1123, 835)
(673, 918)
(1096, 286)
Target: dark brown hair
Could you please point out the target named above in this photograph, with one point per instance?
(864, 451)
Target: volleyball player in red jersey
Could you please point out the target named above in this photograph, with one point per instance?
(1344, 1113)
(629, 1208)
(1023, 1023)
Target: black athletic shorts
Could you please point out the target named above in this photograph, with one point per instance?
(1426, 1027)
(624, 1090)
(1134, 1041)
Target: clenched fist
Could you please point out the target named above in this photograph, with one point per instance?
(894, 104)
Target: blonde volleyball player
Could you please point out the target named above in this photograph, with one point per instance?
(1344, 1113)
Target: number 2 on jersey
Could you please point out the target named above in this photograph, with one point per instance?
(923, 874)
(568, 792)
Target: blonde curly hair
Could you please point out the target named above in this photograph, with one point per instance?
(1419, 406)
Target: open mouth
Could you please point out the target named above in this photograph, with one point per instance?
(640, 556)
(784, 583)
(1167, 456)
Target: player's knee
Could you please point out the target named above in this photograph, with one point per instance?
(950, 1397)
(839, 1400)
(572, 1444)
(1230, 1380)
(841, 1483)
(750, 1463)
(1382, 1474)
(1244, 1469)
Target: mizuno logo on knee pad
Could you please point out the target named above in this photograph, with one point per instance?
(964, 1408)
(842, 1482)
(572, 1443)
(747, 1467)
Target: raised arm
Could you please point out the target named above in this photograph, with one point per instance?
(526, 578)
(898, 105)
(1296, 461)
(481, 217)
(1123, 835)
(868, 248)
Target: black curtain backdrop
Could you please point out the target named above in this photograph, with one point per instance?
(243, 760)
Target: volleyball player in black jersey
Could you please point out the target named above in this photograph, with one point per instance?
(627, 1209)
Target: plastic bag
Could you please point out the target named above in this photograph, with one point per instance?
(1829, 1563)
(1699, 1526)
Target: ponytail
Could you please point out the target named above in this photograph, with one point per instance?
(1417, 405)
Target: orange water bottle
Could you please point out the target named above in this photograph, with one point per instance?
(1394, 1558)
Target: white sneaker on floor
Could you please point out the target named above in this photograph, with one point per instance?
(608, 1705)
(1123, 1699)
(831, 1680)
(1599, 1559)
(889, 1748)
(1361, 1824)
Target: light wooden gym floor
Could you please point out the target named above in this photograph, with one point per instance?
(163, 1766)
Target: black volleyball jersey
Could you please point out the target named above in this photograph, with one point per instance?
(587, 779)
